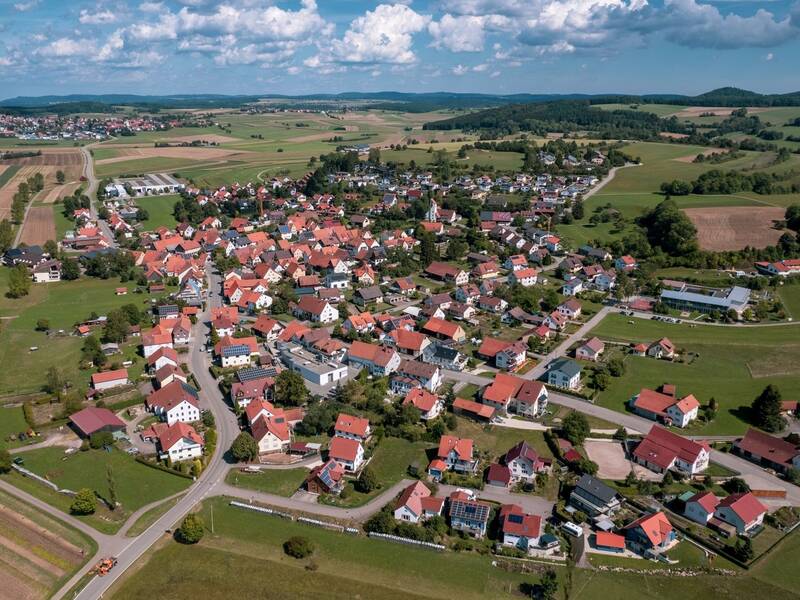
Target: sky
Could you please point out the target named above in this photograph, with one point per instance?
(329, 46)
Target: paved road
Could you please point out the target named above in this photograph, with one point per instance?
(91, 191)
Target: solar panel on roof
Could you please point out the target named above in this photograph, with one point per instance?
(515, 518)
(235, 350)
(252, 373)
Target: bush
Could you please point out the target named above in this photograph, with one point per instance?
(100, 439)
(191, 530)
(367, 481)
(85, 502)
(298, 547)
(5, 461)
(244, 447)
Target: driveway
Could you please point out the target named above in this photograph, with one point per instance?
(612, 462)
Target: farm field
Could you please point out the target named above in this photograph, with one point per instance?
(159, 208)
(137, 485)
(245, 553)
(790, 296)
(63, 304)
(38, 553)
(39, 226)
(733, 228)
(733, 365)
(139, 166)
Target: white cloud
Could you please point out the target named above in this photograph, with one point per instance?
(480, 68)
(460, 70)
(458, 34)
(26, 6)
(494, 74)
(97, 18)
(381, 36)
(769, 56)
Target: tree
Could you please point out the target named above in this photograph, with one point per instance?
(367, 481)
(84, 502)
(298, 546)
(92, 352)
(616, 367)
(244, 448)
(117, 326)
(60, 177)
(6, 235)
(5, 460)
(191, 530)
(19, 283)
(744, 549)
(600, 381)
(290, 389)
(112, 486)
(54, 382)
(70, 269)
(99, 439)
(427, 249)
(766, 410)
(792, 217)
(736, 485)
(670, 229)
(208, 419)
(42, 324)
(576, 427)
(213, 336)
(547, 587)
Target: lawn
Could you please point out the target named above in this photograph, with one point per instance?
(283, 482)
(496, 441)
(63, 224)
(734, 365)
(390, 463)
(151, 516)
(63, 304)
(689, 555)
(136, 484)
(790, 296)
(12, 422)
(159, 209)
(245, 553)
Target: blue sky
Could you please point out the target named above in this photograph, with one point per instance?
(308, 46)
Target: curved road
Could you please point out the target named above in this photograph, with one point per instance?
(91, 191)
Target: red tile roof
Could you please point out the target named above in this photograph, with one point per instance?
(661, 447)
(343, 449)
(746, 506)
(656, 527)
(705, 499)
(483, 411)
(462, 447)
(175, 433)
(767, 446)
(92, 419)
(421, 398)
(107, 376)
(352, 425)
(609, 540)
(515, 522)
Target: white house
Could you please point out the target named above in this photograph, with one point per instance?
(109, 379)
(743, 510)
(237, 355)
(347, 452)
(525, 277)
(700, 507)
(179, 442)
(272, 434)
(416, 504)
(175, 402)
(564, 373)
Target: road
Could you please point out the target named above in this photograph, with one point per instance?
(91, 191)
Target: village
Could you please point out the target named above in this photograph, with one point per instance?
(440, 381)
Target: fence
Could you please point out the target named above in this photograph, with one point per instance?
(26, 473)
(402, 540)
(306, 520)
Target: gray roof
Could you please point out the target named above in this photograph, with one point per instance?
(596, 488)
(569, 367)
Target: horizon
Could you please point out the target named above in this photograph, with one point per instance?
(301, 47)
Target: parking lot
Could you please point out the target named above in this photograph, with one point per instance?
(612, 462)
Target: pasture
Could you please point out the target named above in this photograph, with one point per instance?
(730, 364)
(136, 484)
(159, 209)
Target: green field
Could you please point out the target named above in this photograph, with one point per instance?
(12, 422)
(6, 175)
(63, 304)
(734, 365)
(283, 482)
(136, 484)
(245, 553)
(790, 296)
(160, 210)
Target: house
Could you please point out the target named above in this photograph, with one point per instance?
(271, 433)
(570, 309)
(700, 507)
(662, 348)
(444, 356)
(444, 330)
(492, 304)
(178, 442)
(742, 510)
(253, 385)
(479, 412)
(347, 452)
(625, 263)
(508, 393)
(572, 287)
(498, 475)
(768, 451)
(47, 271)
(524, 463)
(456, 455)
(106, 380)
(361, 323)
(413, 373)
(564, 373)
(267, 327)
(650, 535)
(408, 342)
(175, 402)
(520, 530)
(316, 310)
(379, 360)
(556, 321)
(319, 371)
(162, 357)
(429, 405)
(327, 478)
(594, 497)
(609, 542)
(659, 406)
(447, 273)
(512, 356)
(516, 262)
(469, 516)
(353, 428)
(154, 339)
(368, 295)
(661, 450)
(235, 355)
(526, 277)
(590, 350)
(93, 420)
(416, 504)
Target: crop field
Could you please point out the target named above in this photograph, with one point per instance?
(136, 484)
(245, 553)
(734, 228)
(732, 365)
(63, 304)
(790, 296)
(39, 225)
(37, 552)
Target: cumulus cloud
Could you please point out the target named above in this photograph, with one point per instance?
(26, 6)
(100, 17)
(381, 36)
(458, 34)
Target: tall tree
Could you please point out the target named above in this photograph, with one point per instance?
(290, 389)
(575, 427)
(767, 410)
(19, 283)
(112, 486)
(6, 235)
